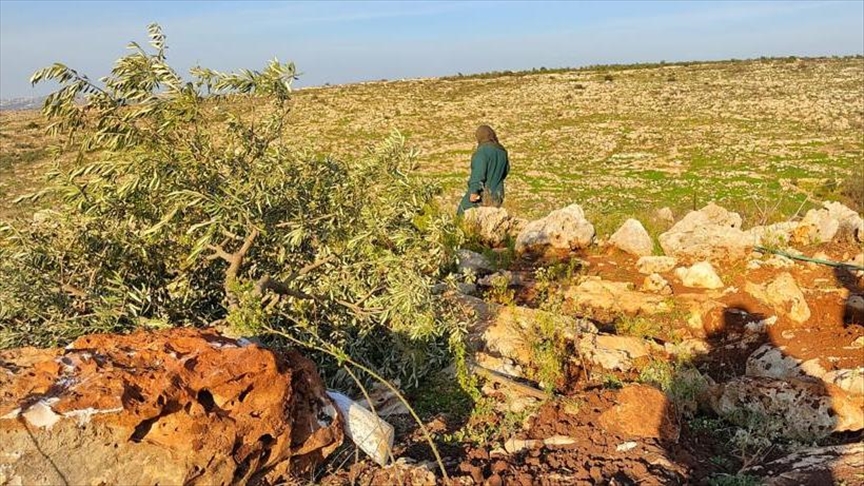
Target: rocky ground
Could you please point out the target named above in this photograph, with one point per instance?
(719, 365)
(737, 357)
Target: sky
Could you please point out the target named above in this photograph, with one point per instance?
(342, 42)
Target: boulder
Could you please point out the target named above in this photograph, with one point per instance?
(797, 409)
(597, 294)
(491, 225)
(834, 222)
(837, 464)
(564, 229)
(632, 238)
(612, 352)
(700, 276)
(641, 411)
(850, 224)
(783, 295)
(655, 264)
(772, 362)
(473, 262)
(182, 406)
(710, 233)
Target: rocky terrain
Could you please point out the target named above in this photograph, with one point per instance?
(738, 355)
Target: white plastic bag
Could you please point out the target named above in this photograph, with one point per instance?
(371, 434)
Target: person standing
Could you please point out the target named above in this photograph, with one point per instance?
(489, 167)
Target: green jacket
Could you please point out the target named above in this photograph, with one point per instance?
(489, 168)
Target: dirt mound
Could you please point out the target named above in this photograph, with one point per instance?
(176, 407)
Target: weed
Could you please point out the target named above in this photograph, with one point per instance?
(612, 382)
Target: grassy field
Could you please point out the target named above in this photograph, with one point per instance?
(760, 137)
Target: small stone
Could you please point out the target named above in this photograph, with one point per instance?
(656, 283)
(700, 275)
(655, 264)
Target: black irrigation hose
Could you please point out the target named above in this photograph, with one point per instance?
(762, 249)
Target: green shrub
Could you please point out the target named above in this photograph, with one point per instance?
(185, 210)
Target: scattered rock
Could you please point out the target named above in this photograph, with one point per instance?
(792, 408)
(176, 407)
(657, 284)
(612, 352)
(700, 275)
(474, 262)
(839, 464)
(641, 411)
(710, 233)
(783, 295)
(854, 311)
(564, 229)
(491, 225)
(655, 264)
(632, 238)
(617, 297)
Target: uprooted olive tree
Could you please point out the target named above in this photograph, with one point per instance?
(184, 209)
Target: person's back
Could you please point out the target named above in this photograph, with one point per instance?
(489, 167)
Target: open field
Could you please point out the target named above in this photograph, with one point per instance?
(755, 136)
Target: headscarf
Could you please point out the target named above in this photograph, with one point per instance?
(485, 134)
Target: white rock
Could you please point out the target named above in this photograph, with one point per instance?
(656, 283)
(665, 215)
(491, 225)
(783, 295)
(799, 409)
(612, 352)
(564, 229)
(632, 238)
(700, 275)
(850, 380)
(655, 264)
(710, 233)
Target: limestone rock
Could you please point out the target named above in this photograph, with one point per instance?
(700, 276)
(491, 225)
(850, 224)
(657, 284)
(655, 264)
(838, 464)
(818, 226)
(612, 352)
(509, 331)
(772, 362)
(710, 233)
(617, 297)
(783, 295)
(794, 408)
(850, 380)
(564, 229)
(632, 238)
(474, 262)
(176, 407)
(775, 235)
(641, 411)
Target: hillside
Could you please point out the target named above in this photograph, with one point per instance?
(756, 136)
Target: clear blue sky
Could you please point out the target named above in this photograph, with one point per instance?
(340, 42)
